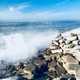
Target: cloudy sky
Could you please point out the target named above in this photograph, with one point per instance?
(39, 9)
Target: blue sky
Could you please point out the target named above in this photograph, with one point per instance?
(39, 9)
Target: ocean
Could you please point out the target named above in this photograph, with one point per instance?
(39, 26)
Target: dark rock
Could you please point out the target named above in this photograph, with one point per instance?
(6, 69)
(20, 77)
(79, 42)
(40, 71)
(63, 79)
(72, 78)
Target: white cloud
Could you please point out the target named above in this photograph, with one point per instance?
(15, 13)
(11, 8)
(19, 7)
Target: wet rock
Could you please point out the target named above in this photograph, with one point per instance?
(40, 71)
(20, 77)
(6, 69)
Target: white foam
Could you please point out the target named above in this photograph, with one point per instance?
(21, 45)
(67, 33)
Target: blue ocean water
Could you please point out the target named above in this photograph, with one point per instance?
(39, 26)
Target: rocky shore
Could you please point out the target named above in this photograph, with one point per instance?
(60, 61)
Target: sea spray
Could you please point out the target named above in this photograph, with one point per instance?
(23, 45)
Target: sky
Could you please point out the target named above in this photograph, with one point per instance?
(32, 10)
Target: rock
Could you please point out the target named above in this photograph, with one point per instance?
(27, 74)
(19, 77)
(78, 42)
(40, 71)
(6, 69)
(63, 78)
(68, 61)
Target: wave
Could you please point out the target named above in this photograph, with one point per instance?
(25, 44)
(19, 45)
(75, 31)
